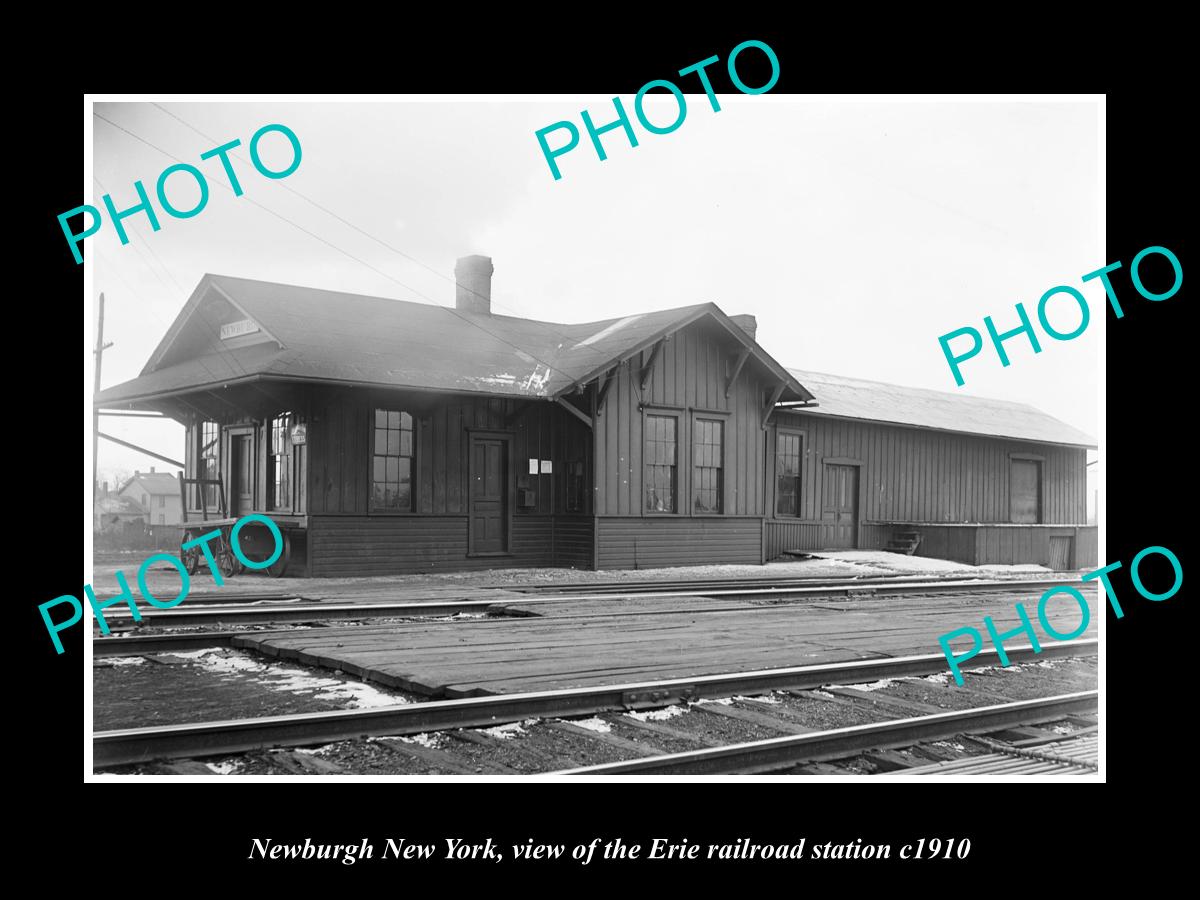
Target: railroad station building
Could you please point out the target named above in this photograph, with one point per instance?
(389, 437)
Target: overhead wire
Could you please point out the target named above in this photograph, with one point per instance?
(346, 253)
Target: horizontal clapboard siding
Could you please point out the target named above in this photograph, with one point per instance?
(382, 545)
(641, 543)
(573, 541)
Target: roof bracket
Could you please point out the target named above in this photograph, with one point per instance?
(776, 393)
(648, 368)
(605, 384)
(574, 410)
(737, 370)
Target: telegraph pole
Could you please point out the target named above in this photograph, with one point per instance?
(99, 352)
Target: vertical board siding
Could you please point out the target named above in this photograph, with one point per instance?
(914, 475)
(688, 380)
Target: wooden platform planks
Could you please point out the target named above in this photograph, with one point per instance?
(540, 653)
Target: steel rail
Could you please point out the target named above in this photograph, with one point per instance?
(773, 754)
(135, 745)
(290, 611)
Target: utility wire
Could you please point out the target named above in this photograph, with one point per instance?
(378, 271)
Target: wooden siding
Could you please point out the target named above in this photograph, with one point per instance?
(650, 542)
(688, 380)
(971, 544)
(915, 475)
(573, 541)
(340, 452)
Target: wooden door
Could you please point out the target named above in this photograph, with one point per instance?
(489, 496)
(1060, 552)
(840, 507)
(1024, 491)
(241, 479)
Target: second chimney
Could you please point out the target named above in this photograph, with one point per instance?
(473, 280)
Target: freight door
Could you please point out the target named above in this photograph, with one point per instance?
(1024, 491)
(840, 507)
(489, 496)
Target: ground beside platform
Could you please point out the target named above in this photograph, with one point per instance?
(163, 579)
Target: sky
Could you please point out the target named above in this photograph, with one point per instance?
(857, 232)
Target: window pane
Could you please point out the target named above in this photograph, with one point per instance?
(381, 418)
(393, 469)
(380, 441)
(405, 447)
(405, 475)
(377, 470)
(406, 421)
(393, 443)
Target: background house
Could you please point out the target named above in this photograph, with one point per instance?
(158, 495)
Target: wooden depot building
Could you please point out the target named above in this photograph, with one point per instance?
(389, 437)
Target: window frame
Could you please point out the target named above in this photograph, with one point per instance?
(680, 488)
(199, 470)
(802, 436)
(372, 509)
(273, 504)
(697, 417)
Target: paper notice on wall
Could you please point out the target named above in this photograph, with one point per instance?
(547, 467)
(533, 467)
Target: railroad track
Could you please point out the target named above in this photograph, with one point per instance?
(290, 611)
(774, 754)
(207, 739)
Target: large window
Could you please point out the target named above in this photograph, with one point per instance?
(281, 462)
(661, 464)
(787, 474)
(392, 461)
(208, 451)
(708, 444)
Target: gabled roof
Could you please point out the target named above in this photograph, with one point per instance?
(330, 336)
(154, 483)
(854, 398)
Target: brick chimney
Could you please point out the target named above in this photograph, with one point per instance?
(747, 323)
(473, 278)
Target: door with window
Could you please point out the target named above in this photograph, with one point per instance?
(840, 507)
(241, 481)
(488, 519)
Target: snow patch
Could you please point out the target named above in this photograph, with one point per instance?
(720, 701)
(824, 695)
(293, 680)
(873, 686)
(509, 730)
(657, 715)
(121, 661)
(424, 739)
(225, 768)
(595, 723)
